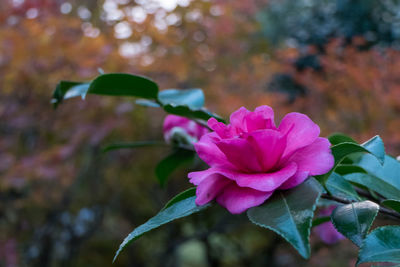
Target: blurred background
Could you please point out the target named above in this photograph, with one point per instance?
(64, 203)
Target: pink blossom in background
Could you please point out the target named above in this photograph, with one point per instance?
(180, 125)
(326, 231)
(251, 157)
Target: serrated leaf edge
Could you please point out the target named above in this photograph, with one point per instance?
(373, 231)
(369, 227)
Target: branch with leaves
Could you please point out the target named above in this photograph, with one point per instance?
(278, 175)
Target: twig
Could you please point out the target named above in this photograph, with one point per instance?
(345, 201)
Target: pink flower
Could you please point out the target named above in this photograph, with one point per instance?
(250, 158)
(326, 231)
(181, 128)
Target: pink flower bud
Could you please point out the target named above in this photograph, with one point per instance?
(181, 128)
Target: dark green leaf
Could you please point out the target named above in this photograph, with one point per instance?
(123, 84)
(320, 220)
(129, 145)
(354, 220)
(193, 98)
(76, 88)
(383, 179)
(185, 111)
(114, 84)
(338, 186)
(381, 245)
(376, 147)
(343, 150)
(392, 203)
(338, 138)
(182, 195)
(183, 208)
(289, 213)
(169, 164)
(343, 169)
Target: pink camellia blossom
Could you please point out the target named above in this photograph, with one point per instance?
(326, 231)
(180, 127)
(251, 157)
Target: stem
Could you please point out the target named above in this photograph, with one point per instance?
(382, 210)
(202, 123)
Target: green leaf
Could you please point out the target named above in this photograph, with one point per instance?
(183, 208)
(338, 186)
(392, 203)
(343, 150)
(123, 84)
(338, 138)
(343, 169)
(147, 103)
(187, 112)
(381, 245)
(75, 88)
(354, 220)
(169, 164)
(320, 220)
(289, 213)
(193, 98)
(130, 145)
(383, 179)
(113, 84)
(181, 196)
(376, 147)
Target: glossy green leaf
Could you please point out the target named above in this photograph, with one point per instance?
(123, 84)
(338, 186)
(374, 183)
(113, 84)
(183, 208)
(381, 245)
(130, 145)
(392, 203)
(320, 220)
(186, 111)
(343, 150)
(289, 213)
(354, 220)
(343, 169)
(383, 179)
(338, 138)
(193, 98)
(169, 164)
(376, 147)
(181, 196)
(75, 89)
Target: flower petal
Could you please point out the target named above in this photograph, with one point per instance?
(301, 131)
(260, 181)
(237, 122)
(269, 145)
(328, 233)
(238, 199)
(314, 159)
(210, 187)
(210, 153)
(240, 153)
(197, 177)
(295, 180)
(266, 181)
(261, 118)
(223, 131)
